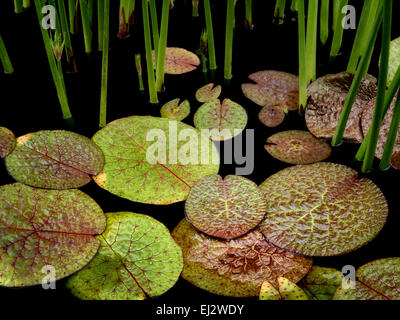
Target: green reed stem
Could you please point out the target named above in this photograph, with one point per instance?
(195, 8)
(100, 23)
(18, 6)
(104, 67)
(162, 47)
(302, 57)
(338, 28)
(382, 80)
(72, 15)
(86, 25)
(138, 63)
(279, 12)
(249, 15)
(65, 30)
(26, 4)
(230, 24)
(294, 5)
(126, 11)
(210, 35)
(311, 41)
(154, 27)
(324, 22)
(4, 58)
(149, 56)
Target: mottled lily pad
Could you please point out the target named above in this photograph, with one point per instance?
(326, 98)
(377, 280)
(137, 258)
(146, 163)
(321, 283)
(394, 59)
(225, 208)
(175, 110)
(45, 228)
(273, 88)
(228, 119)
(271, 117)
(208, 93)
(297, 147)
(7, 142)
(395, 160)
(322, 209)
(179, 61)
(54, 160)
(287, 290)
(236, 267)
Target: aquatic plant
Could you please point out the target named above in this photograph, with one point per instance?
(321, 283)
(4, 58)
(178, 61)
(279, 12)
(286, 290)
(86, 12)
(7, 142)
(210, 36)
(138, 64)
(271, 116)
(230, 24)
(162, 48)
(175, 110)
(126, 11)
(208, 93)
(248, 21)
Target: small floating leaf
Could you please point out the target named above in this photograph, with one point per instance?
(377, 280)
(236, 267)
(327, 96)
(321, 283)
(287, 290)
(297, 147)
(395, 161)
(175, 110)
(225, 208)
(7, 142)
(45, 228)
(271, 117)
(54, 160)
(394, 59)
(273, 88)
(208, 93)
(160, 172)
(228, 118)
(268, 292)
(179, 61)
(322, 209)
(137, 258)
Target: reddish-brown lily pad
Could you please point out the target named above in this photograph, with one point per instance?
(236, 267)
(271, 117)
(7, 142)
(225, 208)
(45, 228)
(54, 160)
(208, 93)
(175, 110)
(297, 147)
(225, 120)
(286, 290)
(179, 61)
(322, 209)
(377, 280)
(395, 161)
(321, 283)
(273, 88)
(326, 98)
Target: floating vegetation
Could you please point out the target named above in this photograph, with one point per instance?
(271, 117)
(377, 280)
(4, 58)
(137, 259)
(238, 267)
(7, 142)
(45, 228)
(287, 290)
(54, 160)
(208, 93)
(175, 110)
(225, 208)
(228, 118)
(179, 61)
(322, 209)
(297, 147)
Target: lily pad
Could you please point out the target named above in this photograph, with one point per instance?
(271, 117)
(322, 209)
(236, 267)
(137, 258)
(225, 208)
(394, 60)
(273, 88)
(228, 118)
(7, 142)
(175, 110)
(208, 93)
(179, 61)
(326, 98)
(146, 163)
(54, 160)
(321, 283)
(297, 147)
(377, 280)
(287, 290)
(45, 228)
(395, 160)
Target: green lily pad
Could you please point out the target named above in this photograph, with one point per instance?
(394, 59)
(137, 258)
(225, 208)
(287, 290)
(175, 110)
(322, 209)
(236, 267)
(321, 283)
(297, 147)
(179, 61)
(159, 172)
(42, 228)
(228, 118)
(377, 280)
(7, 142)
(54, 160)
(208, 93)
(271, 117)
(273, 88)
